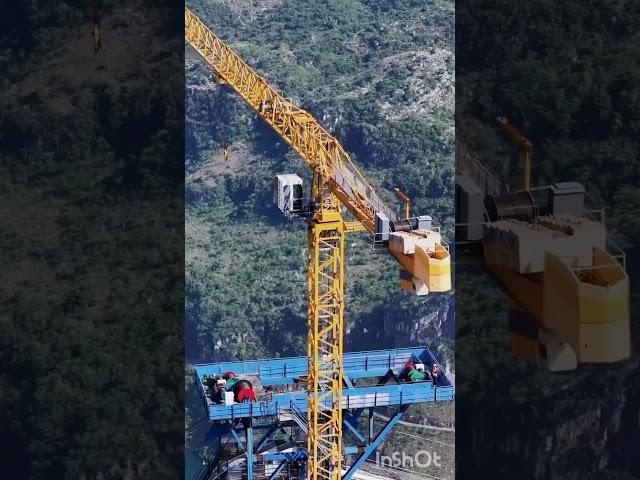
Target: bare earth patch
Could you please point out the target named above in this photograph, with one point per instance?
(72, 65)
(216, 166)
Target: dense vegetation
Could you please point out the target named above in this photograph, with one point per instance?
(379, 76)
(567, 75)
(343, 60)
(91, 343)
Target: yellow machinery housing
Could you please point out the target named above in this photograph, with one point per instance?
(568, 296)
(567, 314)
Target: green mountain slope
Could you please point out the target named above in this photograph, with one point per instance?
(380, 77)
(567, 75)
(91, 350)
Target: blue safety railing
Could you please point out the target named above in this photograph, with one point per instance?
(364, 397)
(356, 365)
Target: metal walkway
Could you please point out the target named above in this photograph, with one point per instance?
(250, 428)
(357, 366)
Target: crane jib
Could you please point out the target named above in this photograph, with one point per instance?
(317, 147)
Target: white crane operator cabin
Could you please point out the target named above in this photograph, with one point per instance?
(288, 194)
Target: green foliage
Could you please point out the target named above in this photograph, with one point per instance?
(565, 74)
(246, 266)
(90, 343)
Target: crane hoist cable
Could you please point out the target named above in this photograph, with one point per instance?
(225, 149)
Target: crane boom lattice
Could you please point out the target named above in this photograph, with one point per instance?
(297, 127)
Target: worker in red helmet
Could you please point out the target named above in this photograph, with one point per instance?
(243, 391)
(246, 395)
(414, 373)
(231, 379)
(408, 367)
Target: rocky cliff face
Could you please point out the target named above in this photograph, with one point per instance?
(516, 420)
(423, 86)
(587, 426)
(438, 320)
(563, 443)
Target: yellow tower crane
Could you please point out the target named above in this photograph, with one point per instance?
(424, 261)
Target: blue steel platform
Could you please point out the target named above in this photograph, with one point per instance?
(283, 371)
(276, 411)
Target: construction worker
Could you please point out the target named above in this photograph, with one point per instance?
(435, 375)
(213, 388)
(404, 374)
(243, 392)
(230, 378)
(218, 391)
(418, 375)
(413, 373)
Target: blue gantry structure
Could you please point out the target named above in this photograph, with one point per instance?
(243, 435)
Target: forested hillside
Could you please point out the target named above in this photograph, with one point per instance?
(379, 75)
(91, 346)
(566, 74)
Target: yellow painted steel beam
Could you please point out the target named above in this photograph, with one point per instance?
(320, 150)
(592, 318)
(335, 180)
(325, 290)
(350, 227)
